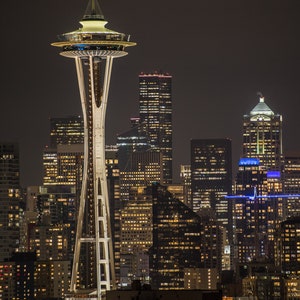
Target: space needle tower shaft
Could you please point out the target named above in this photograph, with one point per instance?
(93, 48)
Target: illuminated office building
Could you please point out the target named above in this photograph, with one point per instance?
(52, 279)
(113, 183)
(63, 160)
(66, 130)
(17, 277)
(143, 168)
(7, 284)
(211, 175)
(177, 190)
(288, 245)
(292, 172)
(155, 98)
(9, 199)
(200, 279)
(257, 210)
(186, 181)
(133, 140)
(136, 222)
(262, 136)
(50, 242)
(24, 267)
(63, 165)
(263, 285)
(136, 236)
(292, 183)
(181, 239)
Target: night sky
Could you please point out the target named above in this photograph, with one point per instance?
(220, 54)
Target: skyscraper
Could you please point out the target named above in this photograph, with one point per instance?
(93, 47)
(211, 175)
(155, 98)
(133, 140)
(143, 169)
(9, 199)
(288, 247)
(63, 160)
(262, 136)
(181, 239)
(257, 209)
(67, 130)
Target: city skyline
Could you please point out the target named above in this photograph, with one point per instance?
(220, 56)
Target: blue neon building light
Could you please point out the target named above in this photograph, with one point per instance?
(249, 161)
(273, 174)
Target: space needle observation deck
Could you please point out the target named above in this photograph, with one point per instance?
(93, 48)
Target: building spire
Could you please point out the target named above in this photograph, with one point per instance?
(93, 11)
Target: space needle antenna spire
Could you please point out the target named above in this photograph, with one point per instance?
(93, 47)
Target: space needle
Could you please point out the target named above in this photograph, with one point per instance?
(93, 48)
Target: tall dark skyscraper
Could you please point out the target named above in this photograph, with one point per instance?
(133, 140)
(155, 97)
(67, 131)
(211, 175)
(262, 136)
(9, 199)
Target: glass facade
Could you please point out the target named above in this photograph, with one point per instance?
(10, 196)
(181, 239)
(155, 98)
(211, 175)
(68, 130)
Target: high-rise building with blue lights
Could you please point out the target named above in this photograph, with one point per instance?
(257, 208)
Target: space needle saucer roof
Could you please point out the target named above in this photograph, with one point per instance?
(93, 38)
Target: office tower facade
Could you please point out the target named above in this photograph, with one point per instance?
(63, 165)
(211, 175)
(143, 168)
(24, 271)
(257, 210)
(155, 100)
(113, 183)
(10, 196)
(7, 284)
(181, 239)
(63, 160)
(93, 47)
(136, 236)
(133, 140)
(292, 183)
(292, 172)
(200, 279)
(186, 181)
(66, 130)
(262, 136)
(52, 279)
(288, 256)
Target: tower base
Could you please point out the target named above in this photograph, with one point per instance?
(84, 295)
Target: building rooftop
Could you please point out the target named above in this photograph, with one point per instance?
(261, 108)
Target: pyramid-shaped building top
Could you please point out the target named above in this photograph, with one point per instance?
(261, 108)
